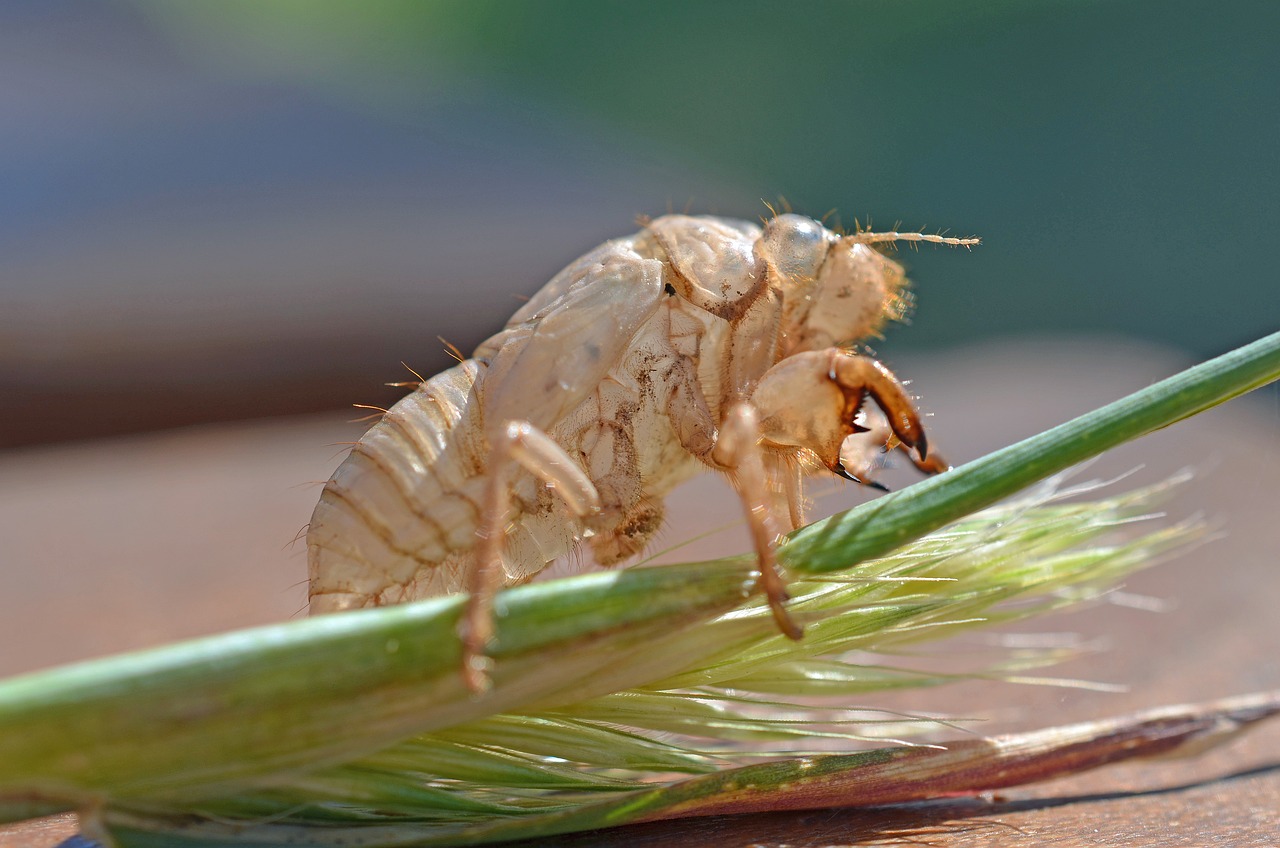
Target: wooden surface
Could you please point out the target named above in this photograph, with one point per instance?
(121, 544)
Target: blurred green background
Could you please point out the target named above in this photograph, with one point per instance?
(245, 208)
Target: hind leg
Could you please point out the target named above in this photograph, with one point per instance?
(517, 445)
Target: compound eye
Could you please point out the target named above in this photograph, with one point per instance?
(794, 246)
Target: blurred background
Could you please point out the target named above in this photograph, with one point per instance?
(241, 209)
(223, 223)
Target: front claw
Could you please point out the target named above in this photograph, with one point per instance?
(866, 376)
(933, 464)
(922, 446)
(810, 401)
(864, 480)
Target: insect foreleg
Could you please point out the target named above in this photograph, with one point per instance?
(810, 400)
(520, 444)
(858, 375)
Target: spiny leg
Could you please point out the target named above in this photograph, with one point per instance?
(738, 448)
(521, 444)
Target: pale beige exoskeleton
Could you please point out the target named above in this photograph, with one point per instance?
(697, 343)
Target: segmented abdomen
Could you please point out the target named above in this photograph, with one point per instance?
(398, 518)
